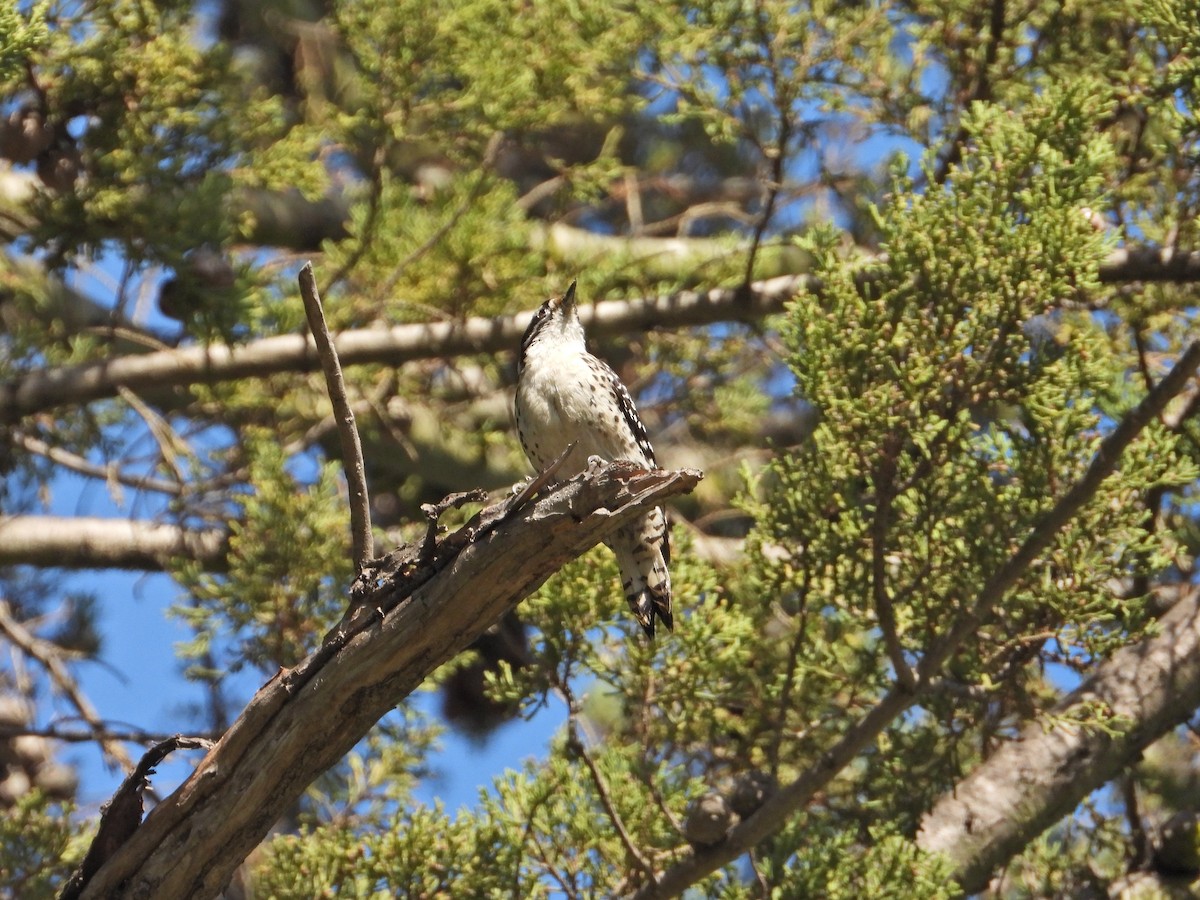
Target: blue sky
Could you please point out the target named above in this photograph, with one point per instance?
(139, 682)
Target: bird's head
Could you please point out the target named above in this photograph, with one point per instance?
(557, 319)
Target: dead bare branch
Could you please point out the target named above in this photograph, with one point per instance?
(299, 724)
(92, 543)
(343, 414)
(123, 812)
(53, 659)
(107, 473)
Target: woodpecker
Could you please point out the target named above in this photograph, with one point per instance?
(565, 394)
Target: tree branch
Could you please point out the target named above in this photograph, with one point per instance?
(885, 612)
(52, 658)
(107, 472)
(352, 456)
(981, 92)
(602, 791)
(91, 543)
(75, 736)
(46, 389)
(1102, 465)
(1139, 694)
(665, 257)
(304, 720)
(576, 745)
(121, 815)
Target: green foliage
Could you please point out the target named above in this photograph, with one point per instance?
(465, 249)
(950, 423)
(39, 847)
(172, 131)
(426, 858)
(484, 152)
(944, 417)
(1079, 855)
(21, 34)
(288, 566)
(378, 775)
(416, 56)
(882, 864)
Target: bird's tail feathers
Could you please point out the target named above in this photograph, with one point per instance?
(642, 551)
(649, 609)
(646, 580)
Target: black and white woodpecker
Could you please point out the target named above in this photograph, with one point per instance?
(565, 394)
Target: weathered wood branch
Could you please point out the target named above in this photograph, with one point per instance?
(1140, 693)
(123, 813)
(50, 388)
(91, 543)
(343, 414)
(305, 719)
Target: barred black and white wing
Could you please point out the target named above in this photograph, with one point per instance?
(565, 395)
(643, 548)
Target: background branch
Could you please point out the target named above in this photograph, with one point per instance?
(53, 659)
(92, 543)
(1140, 693)
(106, 472)
(47, 389)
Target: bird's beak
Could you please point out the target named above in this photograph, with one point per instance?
(568, 299)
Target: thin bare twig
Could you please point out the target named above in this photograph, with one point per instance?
(128, 735)
(633, 203)
(107, 473)
(352, 456)
(528, 836)
(481, 179)
(522, 497)
(647, 767)
(540, 852)
(601, 784)
(370, 222)
(777, 154)
(164, 435)
(540, 192)
(433, 512)
(51, 656)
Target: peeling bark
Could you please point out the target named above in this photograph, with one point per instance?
(305, 719)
